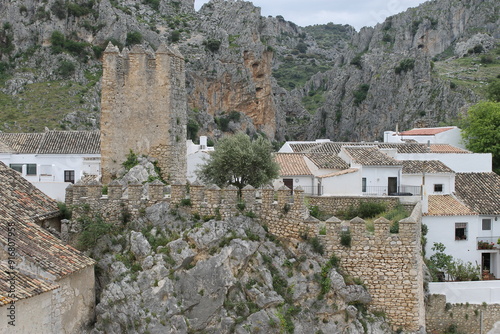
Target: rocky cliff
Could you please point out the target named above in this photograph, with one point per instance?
(165, 273)
(252, 73)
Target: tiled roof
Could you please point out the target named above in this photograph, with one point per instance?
(370, 156)
(431, 166)
(446, 148)
(447, 205)
(52, 142)
(327, 161)
(26, 286)
(479, 191)
(42, 248)
(19, 197)
(26, 143)
(342, 172)
(425, 131)
(292, 164)
(335, 147)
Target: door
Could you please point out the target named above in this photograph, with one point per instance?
(486, 266)
(392, 186)
(289, 184)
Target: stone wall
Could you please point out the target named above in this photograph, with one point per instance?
(390, 265)
(143, 109)
(468, 318)
(334, 204)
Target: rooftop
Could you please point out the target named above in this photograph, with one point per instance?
(292, 164)
(429, 166)
(327, 161)
(51, 142)
(21, 199)
(370, 156)
(425, 131)
(407, 147)
(479, 191)
(447, 205)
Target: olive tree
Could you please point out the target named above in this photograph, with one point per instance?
(239, 161)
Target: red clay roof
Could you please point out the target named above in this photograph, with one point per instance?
(447, 205)
(424, 131)
(292, 164)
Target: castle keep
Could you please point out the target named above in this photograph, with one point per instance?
(143, 109)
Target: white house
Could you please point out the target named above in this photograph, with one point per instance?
(52, 159)
(196, 156)
(449, 135)
(467, 221)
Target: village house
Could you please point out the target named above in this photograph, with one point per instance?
(448, 134)
(45, 285)
(52, 159)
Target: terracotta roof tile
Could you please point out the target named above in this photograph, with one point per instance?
(447, 205)
(480, 191)
(21, 198)
(335, 147)
(42, 248)
(370, 156)
(51, 142)
(431, 166)
(292, 164)
(446, 148)
(327, 160)
(26, 286)
(425, 131)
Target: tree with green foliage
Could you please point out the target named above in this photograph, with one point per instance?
(133, 37)
(493, 91)
(239, 161)
(481, 130)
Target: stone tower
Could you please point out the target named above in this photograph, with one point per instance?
(143, 109)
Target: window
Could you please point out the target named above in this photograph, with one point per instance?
(363, 184)
(46, 170)
(30, 169)
(460, 231)
(17, 167)
(438, 188)
(486, 224)
(69, 176)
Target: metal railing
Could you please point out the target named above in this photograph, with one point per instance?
(313, 190)
(488, 242)
(400, 191)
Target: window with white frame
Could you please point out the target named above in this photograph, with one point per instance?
(30, 169)
(17, 167)
(46, 170)
(486, 224)
(363, 184)
(438, 188)
(460, 231)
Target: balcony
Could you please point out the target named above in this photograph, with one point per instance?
(400, 191)
(313, 190)
(484, 243)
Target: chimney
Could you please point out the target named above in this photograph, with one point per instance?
(203, 142)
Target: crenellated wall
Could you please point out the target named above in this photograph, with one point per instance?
(390, 265)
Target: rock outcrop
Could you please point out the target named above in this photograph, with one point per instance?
(166, 274)
(282, 80)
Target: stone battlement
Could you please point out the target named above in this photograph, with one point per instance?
(389, 264)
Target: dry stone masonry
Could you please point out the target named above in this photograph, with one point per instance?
(143, 109)
(390, 265)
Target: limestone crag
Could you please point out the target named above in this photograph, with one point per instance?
(284, 80)
(171, 275)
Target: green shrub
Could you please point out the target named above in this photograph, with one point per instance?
(405, 65)
(356, 61)
(192, 129)
(370, 209)
(92, 229)
(345, 238)
(175, 36)
(131, 160)
(78, 10)
(133, 37)
(66, 68)
(360, 94)
(316, 245)
(64, 211)
(58, 8)
(212, 44)
(186, 202)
